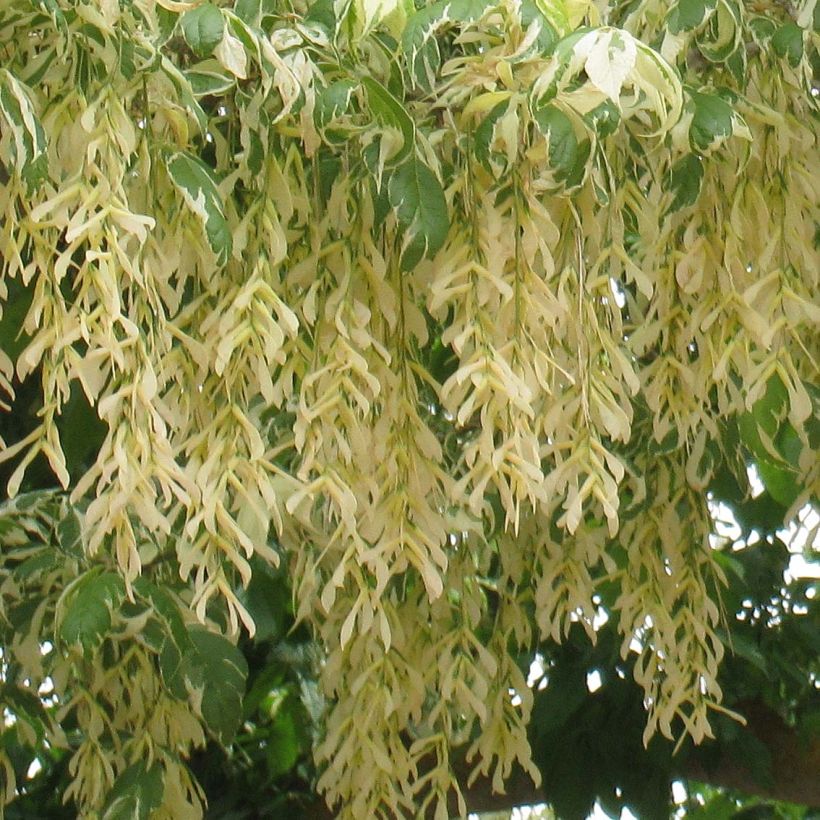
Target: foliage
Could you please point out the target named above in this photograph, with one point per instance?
(445, 319)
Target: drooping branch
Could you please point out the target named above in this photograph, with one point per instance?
(795, 772)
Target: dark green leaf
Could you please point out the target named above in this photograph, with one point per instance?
(286, 736)
(547, 35)
(719, 807)
(737, 65)
(209, 83)
(329, 168)
(780, 480)
(421, 209)
(185, 92)
(221, 670)
(689, 14)
(746, 648)
(267, 598)
(167, 611)
(249, 11)
(604, 118)
(333, 101)
(43, 561)
(418, 39)
(255, 153)
(136, 793)
(86, 615)
(127, 66)
(579, 170)
(711, 123)
(788, 42)
(195, 181)
(52, 8)
(81, 432)
(13, 340)
(26, 706)
(203, 28)
(171, 660)
(484, 134)
(381, 202)
(773, 442)
(28, 146)
(388, 111)
(213, 672)
(322, 13)
(685, 180)
(557, 127)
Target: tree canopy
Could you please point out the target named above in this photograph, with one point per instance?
(354, 353)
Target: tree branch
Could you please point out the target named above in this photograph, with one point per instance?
(795, 761)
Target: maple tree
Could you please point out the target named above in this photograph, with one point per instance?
(448, 322)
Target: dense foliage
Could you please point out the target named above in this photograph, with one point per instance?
(446, 320)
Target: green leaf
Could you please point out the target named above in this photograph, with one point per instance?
(322, 13)
(52, 8)
(538, 11)
(579, 170)
(203, 28)
(781, 481)
(421, 209)
(329, 167)
(213, 672)
(737, 65)
(167, 612)
(711, 122)
(723, 36)
(809, 724)
(28, 139)
(812, 423)
(43, 561)
(283, 748)
(171, 658)
(772, 407)
(186, 95)
(137, 792)
(87, 607)
(557, 127)
(26, 706)
(332, 102)
(249, 11)
(223, 672)
(209, 83)
(554, 12)
(788, 42)
(391, 114)
(685, 181)
(754, 755)
(759, 427)
(81, 432)
(604, 119)
(484, 134)
(689, 14)
(268, 600)
(195, 181)
(381, 202)
(719, 807)
(773, 442)
(126, 51)
(20, 616)
(16, 304)
(286, 735)
(418, 39)
(745, 647)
